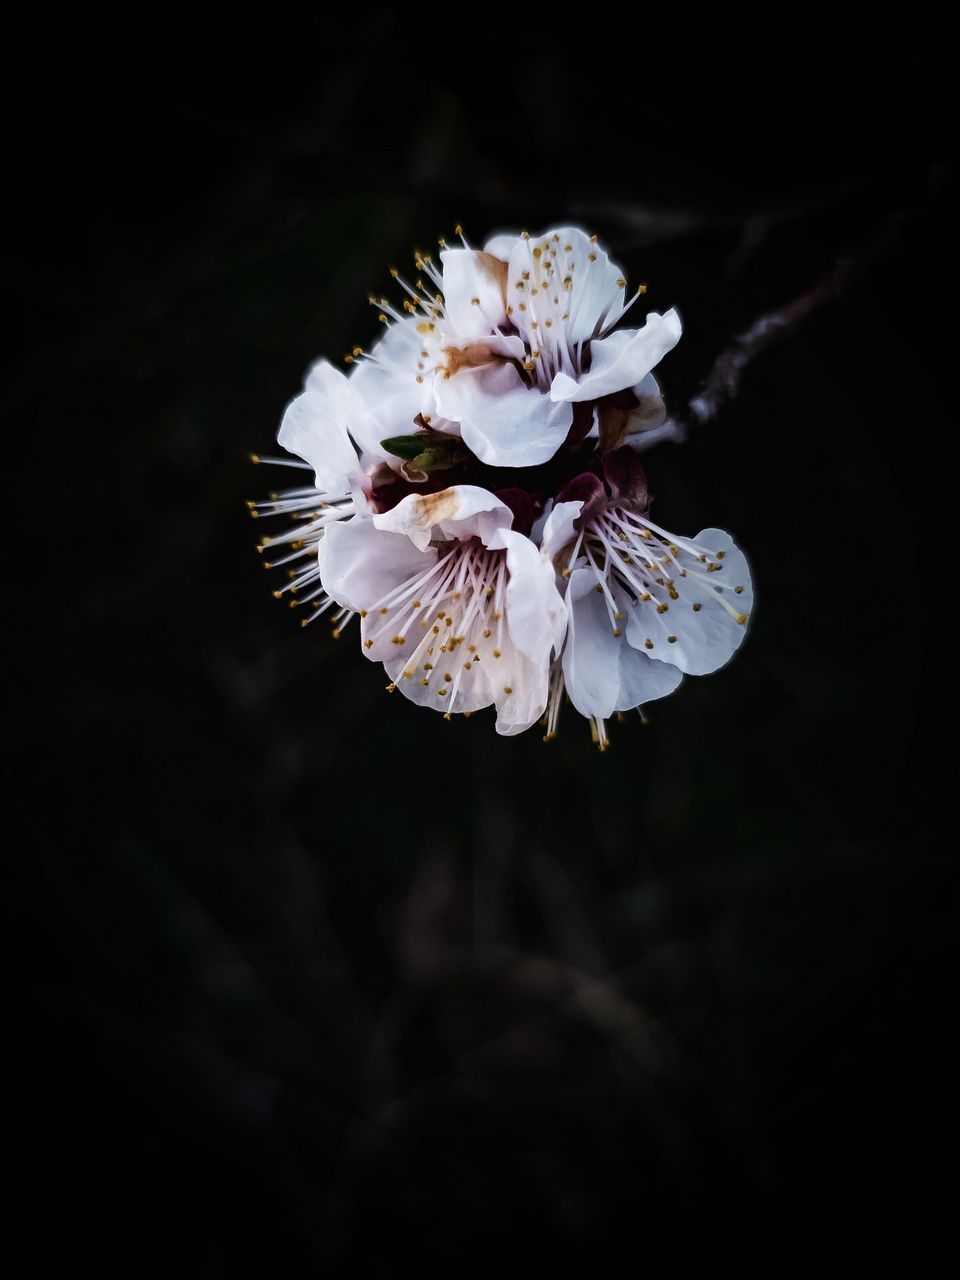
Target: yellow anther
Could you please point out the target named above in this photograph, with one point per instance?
(741, 618)
(496, 653)
(507, 688)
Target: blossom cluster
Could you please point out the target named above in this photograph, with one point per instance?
(478, 500)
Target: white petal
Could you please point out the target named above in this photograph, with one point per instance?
(591, 669)
(602, 672)
(504, 422)
(651, 410)
(526, 703)
(502, 245)
(473, 297)
(535, 610)
(705, 633)
(359, 563)
(387, 388)
(596, 285)
(621, 360)
(315, 426)
(558, 530)
(643, 680)
(462, 511)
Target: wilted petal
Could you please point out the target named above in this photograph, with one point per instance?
(462, 511)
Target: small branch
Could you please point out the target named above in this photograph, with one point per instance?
(723, 381)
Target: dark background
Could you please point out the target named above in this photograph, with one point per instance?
(303, 979)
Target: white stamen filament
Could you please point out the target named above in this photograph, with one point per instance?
(459, 604)
(313, 510)
(624, 549)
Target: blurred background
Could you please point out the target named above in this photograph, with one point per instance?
(303, 978)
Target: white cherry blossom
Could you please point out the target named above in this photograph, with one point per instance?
(461, 609)
(645, 607)
(473, 595)
(497, 346)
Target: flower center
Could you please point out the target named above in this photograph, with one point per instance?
(642, 570)
(447, 624)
